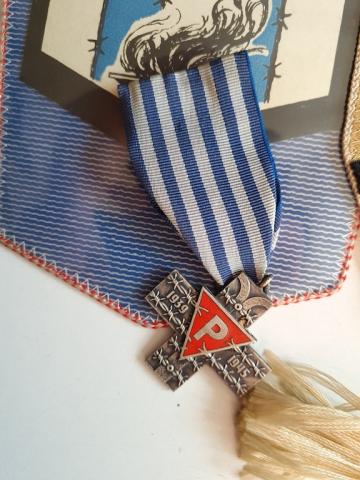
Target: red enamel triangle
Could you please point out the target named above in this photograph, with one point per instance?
(213, 329)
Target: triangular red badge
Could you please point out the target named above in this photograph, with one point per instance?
(213, 329)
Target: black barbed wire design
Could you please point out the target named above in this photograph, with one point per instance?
(272, 67)
(99, 41)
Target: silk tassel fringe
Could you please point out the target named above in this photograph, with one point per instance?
(300, 423)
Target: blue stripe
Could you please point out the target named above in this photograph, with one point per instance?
(165, 165)
(133, 139)
(262, 147)
(194, 176)
(278, 197)
(246, 176)
(213, 151)
(258, 131)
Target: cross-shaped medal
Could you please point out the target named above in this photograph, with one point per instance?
(209, 330)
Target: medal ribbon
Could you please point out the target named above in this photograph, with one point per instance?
(198, 144)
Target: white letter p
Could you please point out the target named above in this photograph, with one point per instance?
(215, 328)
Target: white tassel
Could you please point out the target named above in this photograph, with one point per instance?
(289, 430)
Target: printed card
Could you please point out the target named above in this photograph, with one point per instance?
(296, 48)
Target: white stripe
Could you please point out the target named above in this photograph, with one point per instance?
(242, 200)
(247, 141)
(148, 152)
(202, 160)
(182, 179)
(275, 239)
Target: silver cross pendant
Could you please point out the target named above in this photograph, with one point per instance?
(209, 330)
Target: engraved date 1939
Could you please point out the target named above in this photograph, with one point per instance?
(177, 302)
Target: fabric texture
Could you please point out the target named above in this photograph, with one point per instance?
(198, 144)
(71, 203)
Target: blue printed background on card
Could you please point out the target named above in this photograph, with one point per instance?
(137, 24)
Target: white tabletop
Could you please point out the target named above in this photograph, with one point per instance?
(78, 402)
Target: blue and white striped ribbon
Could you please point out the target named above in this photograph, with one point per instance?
(198, 144)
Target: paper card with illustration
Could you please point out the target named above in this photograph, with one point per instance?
(120, 39)
(294, 46)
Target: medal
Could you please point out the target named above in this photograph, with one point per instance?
(198, 143)
(208, 330)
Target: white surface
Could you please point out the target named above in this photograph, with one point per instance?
(77, 401)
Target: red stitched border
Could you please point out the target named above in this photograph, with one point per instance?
(114, 305)
(104, 298)
(75, 282)
(3, 36)
(327, 292)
